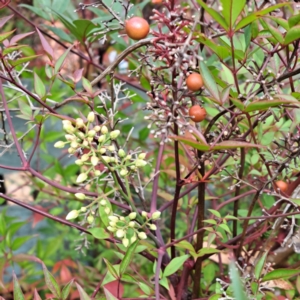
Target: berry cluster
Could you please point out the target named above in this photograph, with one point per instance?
(95, 146)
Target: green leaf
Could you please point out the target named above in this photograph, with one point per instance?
(239, 104)
(111, 269)
(83, 295)
(22, 60)
(83, 28)
(275, 33)
(185, 245)
(215, 297)
(215, 15)
(175, 264)
(205, 251)
(280, 274)
(192, 143)
(12, 49)
(215, 213)
(5, 35)
(292, 35)
(18, 294)
(99, 233)
(231, 10)
(61, 60)
(258, 14)
(128, 257)
(87, 85)
(209, 81)
(39, 86)
(226, 228)
(19, 241)
(260, 265)
(51, 283)
(266, 104)
(235, 144)
(238, 289)
(66, 290)
(61, 34)
(164, 282)
(294, 20)
(281, 22)
(103, 215)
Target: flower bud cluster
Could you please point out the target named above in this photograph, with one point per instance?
(98, 147)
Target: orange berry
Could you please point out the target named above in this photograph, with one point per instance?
(197, 113)
(194, 82)
(137, 28)
(281, 185)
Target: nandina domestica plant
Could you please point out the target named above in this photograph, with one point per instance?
(162, 163)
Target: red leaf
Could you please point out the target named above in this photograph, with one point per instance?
(46, 45)
(18, 37)
(115, 288)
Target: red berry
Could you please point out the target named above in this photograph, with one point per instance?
(281, 185)
(137, 28)
(197, 113)
(194, 82)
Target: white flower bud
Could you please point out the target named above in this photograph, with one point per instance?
(66, 122)
(121, 153)
(113, 218)
(91, 133)
(142, 235)
(123, 172)
(104, 129)
(133, 239)
(97, 173)
(111, 229)
(59, 144)
(81, 178)
(101, 138)
(156, 215)
(91, 117)
(142, 155)
(94, 160)
(102, 150)
(107, 210)
(90, 219)
(131, 224)
(80, 135)
(152, 226)
(112, 224)
(144, 214)
(140, 163)
(128, 157)
(114, 134)
(85, 143)
(79, 123)
(69, 128)
(125, 242)
(106, 159)
(111, 148)
(74, 144)
(133, 168)
(71, 150)
(97, 128)
(120, 233)
(70, 137)
(90, 139)
(103, 202)
(83, 209)
(78, 162)
(80, 196)
(73, 214)
(132, 215)
(85, 157)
